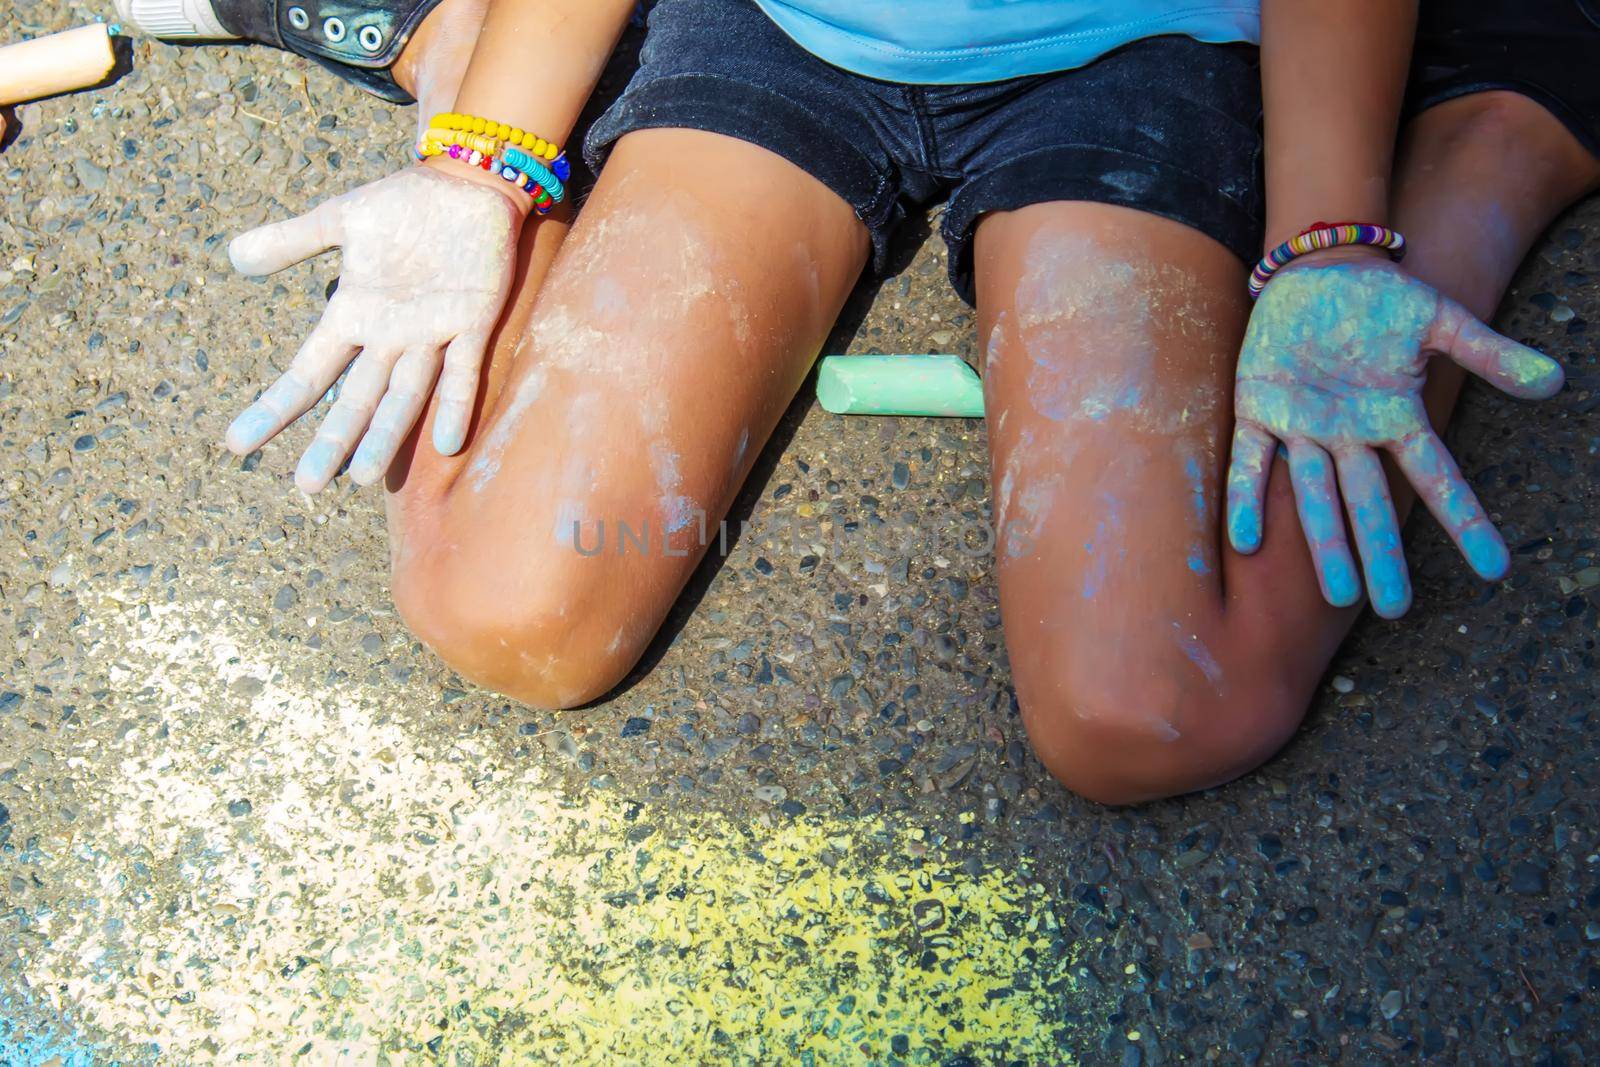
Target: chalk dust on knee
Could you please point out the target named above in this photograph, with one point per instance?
(1196, 652)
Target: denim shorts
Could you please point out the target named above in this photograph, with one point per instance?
(1166, 125)
(1547, 50)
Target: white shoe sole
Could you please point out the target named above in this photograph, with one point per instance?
(173, 20)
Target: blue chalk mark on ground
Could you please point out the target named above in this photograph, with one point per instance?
(36, 1050)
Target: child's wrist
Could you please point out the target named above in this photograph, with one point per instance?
(520, 201)
(1340, 254)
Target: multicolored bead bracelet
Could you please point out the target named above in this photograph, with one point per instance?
(552, 177)
(1324, 235)
(543, 201)
(553, 183)
(470, 131)
(529, 155)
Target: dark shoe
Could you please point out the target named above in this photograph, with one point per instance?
(357, 39)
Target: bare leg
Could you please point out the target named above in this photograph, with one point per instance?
(637, 386)
(1150, 659)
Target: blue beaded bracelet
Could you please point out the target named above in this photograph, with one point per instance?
(536, 170)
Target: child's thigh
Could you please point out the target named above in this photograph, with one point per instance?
(676, 323)
(1111, 338)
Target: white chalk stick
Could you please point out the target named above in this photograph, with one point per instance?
(59, 63)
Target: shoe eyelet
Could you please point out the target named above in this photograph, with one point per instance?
(333, 29)
(370, 38)
(298, 18)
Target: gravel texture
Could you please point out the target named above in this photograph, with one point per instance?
(243, 812)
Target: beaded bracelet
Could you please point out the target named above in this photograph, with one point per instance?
(510, 134)
(542, 200)
(479, 141)
(435, 141)
(558, 168)
(1324, 235)
(545, 176)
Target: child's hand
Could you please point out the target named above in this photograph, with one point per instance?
(1333, 363)
(428, 260)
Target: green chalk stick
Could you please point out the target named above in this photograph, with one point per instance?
(899, 385)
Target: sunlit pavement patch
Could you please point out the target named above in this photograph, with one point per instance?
(257, 869)
(37, 1044)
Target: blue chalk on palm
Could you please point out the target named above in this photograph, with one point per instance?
(928, 385)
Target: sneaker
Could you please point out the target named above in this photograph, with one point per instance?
(357, 39)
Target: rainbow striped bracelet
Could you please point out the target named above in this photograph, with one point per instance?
(1324, 235)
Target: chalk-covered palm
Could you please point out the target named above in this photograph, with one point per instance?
(427, 266)
(1333, 366)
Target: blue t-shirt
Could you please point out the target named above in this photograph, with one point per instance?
(943, 42)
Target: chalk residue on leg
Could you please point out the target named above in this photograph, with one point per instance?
(630, 290)
(568, 528)
(1099, 327)
(1198, 654)
(572, 483)
(1030, 484)
(1073, 296)
(994, 350)
(1199, 508)
(677, 510)
(608, 298)
(1105, 547)
(739, 451)
(486, 464)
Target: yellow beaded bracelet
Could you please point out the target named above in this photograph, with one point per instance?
(444, 138)
(475, 125)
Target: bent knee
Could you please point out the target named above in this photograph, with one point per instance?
(1124, 731)
(1509, 128)
(557, 637)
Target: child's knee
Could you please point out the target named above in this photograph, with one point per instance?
(1128, 726)
(1498, 117)
(1502, 128)
(558, 632)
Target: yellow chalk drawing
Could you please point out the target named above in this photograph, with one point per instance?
(261, 871)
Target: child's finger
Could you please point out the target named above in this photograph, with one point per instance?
(402, 405)
(1248, 470)
(1377, 530)
(315, 367)
(1316, 496)
(1503, 363)
(1431, 469)
(359, 396)
(270, 248)
(458, 388)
